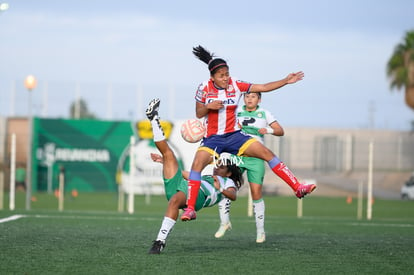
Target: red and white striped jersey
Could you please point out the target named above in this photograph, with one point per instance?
(223, 121)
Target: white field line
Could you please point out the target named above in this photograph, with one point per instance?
(11, 218)
(209, 220)
(83, 217)
(310, 222)
(383, 224)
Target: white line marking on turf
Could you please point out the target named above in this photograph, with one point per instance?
(208, 220)
(383, 224)
(83, 217)
(11, 218)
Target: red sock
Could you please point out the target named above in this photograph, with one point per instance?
(285, 174)
(193, 187)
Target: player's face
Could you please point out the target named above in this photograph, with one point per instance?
(221, 77)
(251, 100)
(221, 171)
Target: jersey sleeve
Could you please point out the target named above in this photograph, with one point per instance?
(228, 183)
(243, 86)
(269, 117)
(201, 93)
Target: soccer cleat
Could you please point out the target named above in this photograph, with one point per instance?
(188, 215)
(222, 230)
(157, 247)
(261, 237)
(304, 189)
(152, 110)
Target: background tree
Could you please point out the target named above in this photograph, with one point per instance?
(79, 110)
(400, 68)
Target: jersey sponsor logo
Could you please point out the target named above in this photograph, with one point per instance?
(228, 101)
(248, 120)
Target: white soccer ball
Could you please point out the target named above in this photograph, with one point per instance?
(192, 130)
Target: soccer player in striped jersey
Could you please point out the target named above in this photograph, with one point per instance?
(216, 101)
(256, 122)
(224, 182)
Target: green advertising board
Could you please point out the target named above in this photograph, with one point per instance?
(87, 150)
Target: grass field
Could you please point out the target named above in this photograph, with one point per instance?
(91, 237)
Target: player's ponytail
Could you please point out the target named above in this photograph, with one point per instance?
(213, 63)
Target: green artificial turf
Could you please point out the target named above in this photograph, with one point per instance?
(91, 237)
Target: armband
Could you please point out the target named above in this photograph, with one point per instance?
(221, 189)
(270, 130)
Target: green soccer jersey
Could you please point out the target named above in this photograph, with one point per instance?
(212, 195)
(208, 195)
(252, 121)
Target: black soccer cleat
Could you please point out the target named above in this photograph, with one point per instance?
(152, 110)
(157, 247)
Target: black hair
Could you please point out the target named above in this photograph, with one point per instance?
(236, 173)
(259, 94)
(213, 63)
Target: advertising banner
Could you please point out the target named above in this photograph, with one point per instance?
(87, 150)
(95, 155)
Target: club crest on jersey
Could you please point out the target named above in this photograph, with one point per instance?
(230, 91)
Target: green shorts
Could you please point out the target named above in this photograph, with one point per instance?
(255, 169)
(178, 183)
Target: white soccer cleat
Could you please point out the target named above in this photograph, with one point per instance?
(261, 237)
(222, 230)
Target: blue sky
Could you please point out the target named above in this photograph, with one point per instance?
(126, 52)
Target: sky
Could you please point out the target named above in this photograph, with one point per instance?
(118, 55)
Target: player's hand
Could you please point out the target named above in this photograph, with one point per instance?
(295, 77)
(216, 183)
(157, 158)
(215, 105)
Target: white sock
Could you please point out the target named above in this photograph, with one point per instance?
(166, 227)
(224, 211)
(157, 130)
(259, 213)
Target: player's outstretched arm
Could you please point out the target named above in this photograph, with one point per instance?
(268, 87)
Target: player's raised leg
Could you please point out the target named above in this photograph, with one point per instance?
(170, 163)
(170, 168)
(258, 150)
